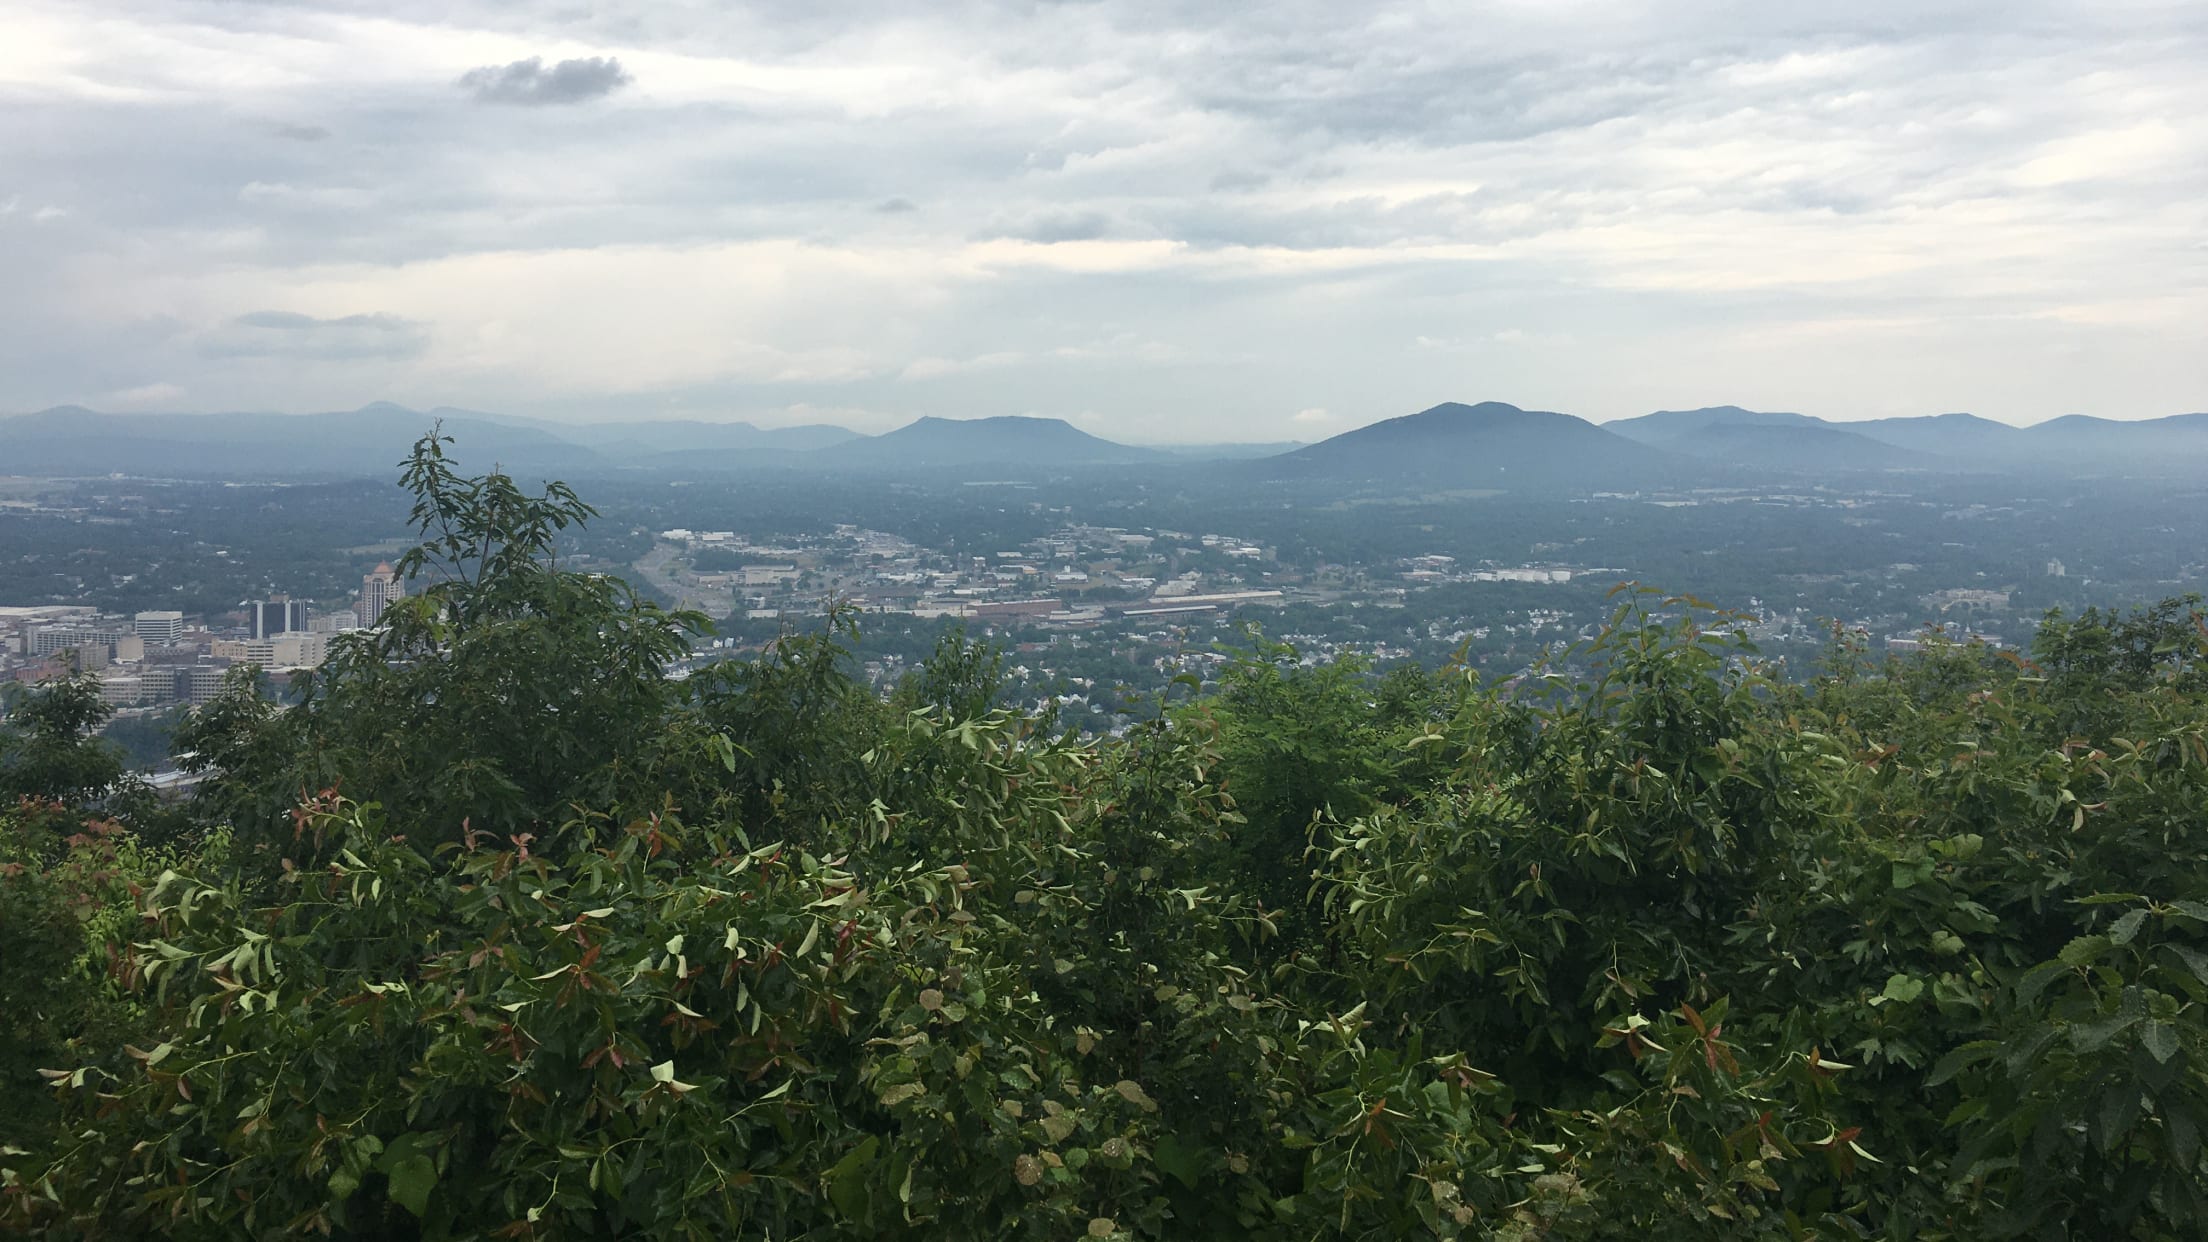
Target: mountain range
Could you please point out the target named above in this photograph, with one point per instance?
(1490, 445)
(1013, 441)
(1799, 443)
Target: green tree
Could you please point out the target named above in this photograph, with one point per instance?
(1652, 942)
(502, 693)
(49, 748)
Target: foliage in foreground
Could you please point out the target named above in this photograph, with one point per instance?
(517, 938)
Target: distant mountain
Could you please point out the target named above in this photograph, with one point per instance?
(1229, 452)
(1796, 448)
(1666, 425)
(645, 439)
(1009, 441)
(1489, 445)
(72, 440)
(1756, 440)
(1962, 438)
(2177, 444)
(2073, 444)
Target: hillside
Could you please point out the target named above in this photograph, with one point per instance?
(1962, 438)
(1756, 440)
(2155, 446)
(1489, 445)
(1012, 441)
(1667, 425)
(1798, 449)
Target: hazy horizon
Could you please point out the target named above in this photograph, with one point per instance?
(1288, 434)
(1163, 222)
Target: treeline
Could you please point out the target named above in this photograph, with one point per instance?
(498, 932)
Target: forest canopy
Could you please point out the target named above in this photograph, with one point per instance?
(499, 931)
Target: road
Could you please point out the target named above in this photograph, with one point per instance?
(653, 567)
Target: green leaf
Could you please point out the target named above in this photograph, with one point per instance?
(1184, 1161)
(2184, 1136)
(2160, 1039)
(2195, 961)
(412, 1178)
(2094, 1036)
(1959, 1059)
(2125, 929)
(1132, 1092)
(1903, 988)
(2083, 951)
(2036, 980)
(848, 1183)
(2119, 1108)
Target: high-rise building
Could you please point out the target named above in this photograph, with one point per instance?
(377, 589)
(269, 618)
(161, 628)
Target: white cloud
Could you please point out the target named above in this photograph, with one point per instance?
(1181, 218)
(930, 368)
(154, 396)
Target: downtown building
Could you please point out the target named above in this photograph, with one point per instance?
(160, 629)
(268, 618)
(378, 588)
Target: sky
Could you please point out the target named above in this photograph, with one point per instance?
(1163, 221)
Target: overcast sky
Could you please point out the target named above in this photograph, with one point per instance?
(1165, 221)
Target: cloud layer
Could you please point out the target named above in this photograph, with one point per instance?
(529, 82)
(1194, 221)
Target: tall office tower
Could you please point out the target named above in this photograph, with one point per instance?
(277, 616)
(161, 628)
(377, 590)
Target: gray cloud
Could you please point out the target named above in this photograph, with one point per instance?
(290, 335)
(529, 82)
(1232, 180)
(1050, 227)
(1898, 206)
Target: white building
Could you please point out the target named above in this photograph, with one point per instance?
(377, 589)
(162, 629)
